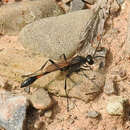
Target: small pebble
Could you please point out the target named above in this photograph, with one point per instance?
(40, 99)
(27, 89)
(75, 117)
(39, 125)
(93, 114)
(76, 5)
(71, 121)
(122, 72)
(120, 1)
(114, 8)
(71, 106)
(115, 105)
(48, 114)
(60, 118)
(109, 87)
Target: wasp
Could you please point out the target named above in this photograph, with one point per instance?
(70, 66)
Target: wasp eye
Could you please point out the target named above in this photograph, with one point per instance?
(90, 59)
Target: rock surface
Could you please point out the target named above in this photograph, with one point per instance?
(12, 111)
(79, 86)
(13, 17)
(115, 105)
(55, 36)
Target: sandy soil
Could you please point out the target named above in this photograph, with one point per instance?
(76, 118)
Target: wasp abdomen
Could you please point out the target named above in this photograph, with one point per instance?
(28, 81)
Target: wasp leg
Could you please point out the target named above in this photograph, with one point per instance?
(36, 71)
(65, 87)
(67, 94)
(85, 75)
(52, 62)
(65, 59)
(85, 67)
(55, 64)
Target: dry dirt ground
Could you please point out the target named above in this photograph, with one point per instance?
(11, 66)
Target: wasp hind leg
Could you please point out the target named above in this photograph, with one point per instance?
(52, 62)
(65, 87)
(36, 71)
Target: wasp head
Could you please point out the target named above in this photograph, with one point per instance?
(90, 60)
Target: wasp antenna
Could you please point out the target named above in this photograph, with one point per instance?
(99, 41)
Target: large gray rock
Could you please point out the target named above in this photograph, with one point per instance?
(13, 17)
(56, 35)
